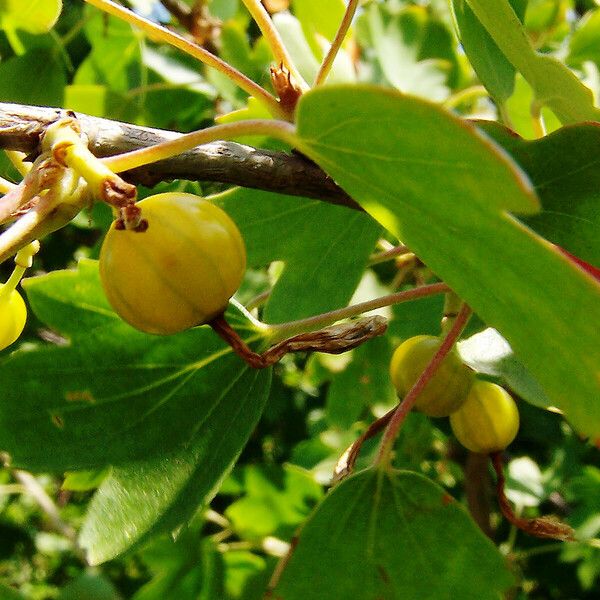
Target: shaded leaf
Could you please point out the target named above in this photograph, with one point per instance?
(113, 394)
(325, 248)
(563, 168)
(364, 383)
(156, 495)
(45, 81)
(388, 536)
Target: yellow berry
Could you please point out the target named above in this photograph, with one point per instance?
(446, 390)
(13, 315)
(180, 272)
(488, 421)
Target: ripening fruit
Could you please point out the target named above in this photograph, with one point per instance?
(13, 315)
(178, 273)
(489, 419)
(446, 390)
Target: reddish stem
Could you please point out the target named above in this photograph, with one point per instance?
(407, 404)
(345, 464)
(542, 527)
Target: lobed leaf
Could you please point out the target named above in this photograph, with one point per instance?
(563, 168)
(390, 535)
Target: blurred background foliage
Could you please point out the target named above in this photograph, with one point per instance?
(318, 404)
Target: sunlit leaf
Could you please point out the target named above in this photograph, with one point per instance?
(448, 193)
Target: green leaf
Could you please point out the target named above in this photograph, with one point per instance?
(7, 593)
(143, 499)
(585, 42)
(489, 353)
(187, 569)
(37, 77)
(447, 192)
(564, 171)
(82, 481)
(275, 502)
(493, 69)
(156, 495)
(91, 586)
(319, 18)
(246, 575)
(364, 383)
(398, 40)
(521, 110)
(553, 83)
(324, 247)
(389, 536)
(115, 58)
(113, 394)
(33, 16)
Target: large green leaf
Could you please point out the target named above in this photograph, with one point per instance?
(553, 83)
(563, 168)
(390, 536)
(113, 394)
(448, 192)
(325, 248)
(156, 495)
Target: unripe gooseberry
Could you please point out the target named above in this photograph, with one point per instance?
(446, 390)
(180, 272)
(13, 315)
(488, 421)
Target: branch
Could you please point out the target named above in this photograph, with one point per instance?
(226, 162)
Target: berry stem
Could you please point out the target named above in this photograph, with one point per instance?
(137, 158)
(267, 28)
(23, 260)
(452, 306)
(282, 330)
(178, 41)
(329, 59)
(346, 462)
(64, 141)
(402, 410)
(332, 340)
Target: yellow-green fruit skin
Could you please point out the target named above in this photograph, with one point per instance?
(446, 390)
(488, 421)
(13, 315)
(180, 272)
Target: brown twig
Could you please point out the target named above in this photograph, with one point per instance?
(21, 127)
(478, 490)
(332, 340)
(542, 527)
